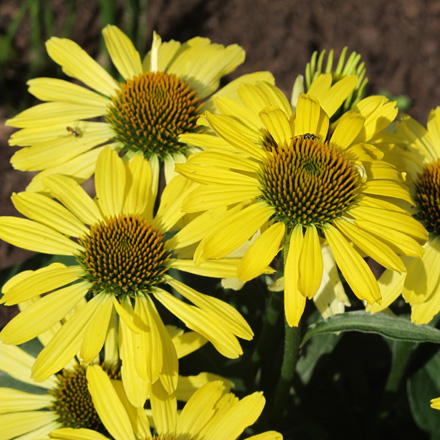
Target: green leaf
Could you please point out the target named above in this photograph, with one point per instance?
(317, 347)
(423, 386)
(385, 325)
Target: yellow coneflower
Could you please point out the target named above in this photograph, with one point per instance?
(304, 183)
(158, 98)
(123, 259)
(420, 159)
(210, 414)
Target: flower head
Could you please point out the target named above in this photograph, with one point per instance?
(64, 400)
(122, 259)
(419, 157)
(304, 183)
(211, 413)
(158, 98)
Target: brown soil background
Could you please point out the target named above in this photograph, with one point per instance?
(398, 40)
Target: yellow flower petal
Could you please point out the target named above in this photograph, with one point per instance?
(48, 212)
(203, 66)
(108, 405)
(294, 301)
(337, 94)
(149, 343)
(234, 231)
(206, 174)
(40, 281)
(216, 196)
(18, 364)
(33, 236)
(227, 316)
(136, 388)
(74, 198)
(373, 247)
(277, 124)
(400, 221)
(169, 373)
(398, 241)
(12, 400)
(77, 434)
(234, 421)
(122, 52)
(43, 314)
(66, 343)
(226, 268)
(347, 128)
(200, 409)
(261, 253)
(263, 94)
(201, 322)
(53, 89)
(310, 263)
(82, 167)
(355, 270)
(96, 330)
(310, 117)
(234, 161)
(164, 408)
(236, 134)
(187, 343)
(391, 285)
(434, 130)
(19, 423)
(137, 415)
(55, 113)
(139, 186)
(77, 64)
(232, 89)
(170, 208)
(110, 182)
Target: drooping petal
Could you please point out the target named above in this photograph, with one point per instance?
(96, 330)
(234, 231)
(294, 301)
(164, 408)
(353, 266)
(108, 405)
(38, 282)
(262, 252)
(310, 262)
(66, 343)
(43, 314)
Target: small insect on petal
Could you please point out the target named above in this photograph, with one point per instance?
(73, 132)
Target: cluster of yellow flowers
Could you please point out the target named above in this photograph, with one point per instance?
(214, 182)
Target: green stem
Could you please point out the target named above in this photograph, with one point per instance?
(272, 315)
(401, 355)
(292, 342)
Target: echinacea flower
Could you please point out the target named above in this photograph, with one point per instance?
(419, 157)
(157, 99)
(304, 183)
(63, 400)
(210, 414)
(123, 258)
